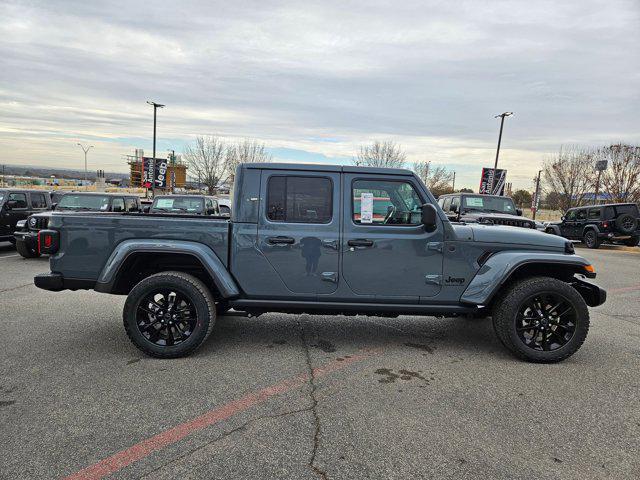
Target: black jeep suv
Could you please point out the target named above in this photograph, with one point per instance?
(488, 209)
(594, 224)
(17, 204)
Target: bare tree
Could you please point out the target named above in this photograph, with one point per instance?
(245, 151)
(570, 174)
(621, 180)
(206, 159)
(381, 154)
(436, 177)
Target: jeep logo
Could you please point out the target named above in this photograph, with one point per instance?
(454, 280)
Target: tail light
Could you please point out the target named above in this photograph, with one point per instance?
(48, 241)
(605, 224)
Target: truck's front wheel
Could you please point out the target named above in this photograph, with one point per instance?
(542, 320)
(169, 314)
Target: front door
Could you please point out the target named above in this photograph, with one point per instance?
(386, 250)
(568, 225)
(299, 228)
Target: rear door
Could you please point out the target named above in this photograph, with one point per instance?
(299, 227)
(386, 250)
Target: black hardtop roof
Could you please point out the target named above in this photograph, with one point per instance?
(604, 205)
(455, 194)
(22, 190)
(103, 194)
(312, 167)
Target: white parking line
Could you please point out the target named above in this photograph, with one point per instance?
(7, 256)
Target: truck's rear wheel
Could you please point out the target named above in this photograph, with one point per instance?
(169, 314)
(542, 320)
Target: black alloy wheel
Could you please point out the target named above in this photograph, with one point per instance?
(166, 317)
(546, 321)
(169, 314)
(541, 319)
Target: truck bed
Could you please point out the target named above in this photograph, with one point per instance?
(88, 238)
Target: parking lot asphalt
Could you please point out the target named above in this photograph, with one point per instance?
(295, 396)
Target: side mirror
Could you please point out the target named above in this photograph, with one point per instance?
(519, 212)
(453, 208)
(146, 209)
(11, 204)
(429, 216)
(562, 218)
(54, 205)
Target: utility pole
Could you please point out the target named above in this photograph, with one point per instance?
(536, 200)
(453, 187)
(495, 165)
(85, 150)
(156, 106)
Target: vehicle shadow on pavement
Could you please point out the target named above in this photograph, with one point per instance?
(341, 334)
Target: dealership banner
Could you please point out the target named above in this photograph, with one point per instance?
(160, 174)
(498, 184)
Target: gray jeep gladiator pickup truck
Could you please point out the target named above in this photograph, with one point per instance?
(306, 238)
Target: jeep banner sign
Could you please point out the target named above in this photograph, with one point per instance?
(160, 172)
(498, 184)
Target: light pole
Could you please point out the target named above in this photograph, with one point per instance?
(85, 150)
(453, 187)
(536, 199)
(156, 106)
(495, 165)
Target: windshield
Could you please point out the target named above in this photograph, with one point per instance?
(72, 201)
(483, 203)
(178, 204)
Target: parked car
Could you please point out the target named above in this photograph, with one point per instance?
(617, 223)
(17, 204)
(26, 231)
(488, 209)
(185, 204)
(298, 244)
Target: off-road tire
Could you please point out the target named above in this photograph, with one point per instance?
(507, 308)
(190, 286)
(632, 242)
(25, 251)
(590, 239)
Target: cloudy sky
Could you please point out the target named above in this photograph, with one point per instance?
(315, 80)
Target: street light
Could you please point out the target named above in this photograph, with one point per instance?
(495, 165)
(85, 150)
(156, 106)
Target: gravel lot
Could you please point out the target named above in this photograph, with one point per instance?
(294, 396)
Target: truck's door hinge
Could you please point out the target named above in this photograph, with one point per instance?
(433, 279)
(329, 277)
(437, 246)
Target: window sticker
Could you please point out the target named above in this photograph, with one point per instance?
(366, 207)
(474, 202)
(164, 203)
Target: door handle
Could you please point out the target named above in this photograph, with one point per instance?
(332, 244)
(360, 242)
(281, 240)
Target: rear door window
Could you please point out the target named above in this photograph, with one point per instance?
(594, 213)
(299, 199)
(38, 200)
(131, 205)
(117, 205)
